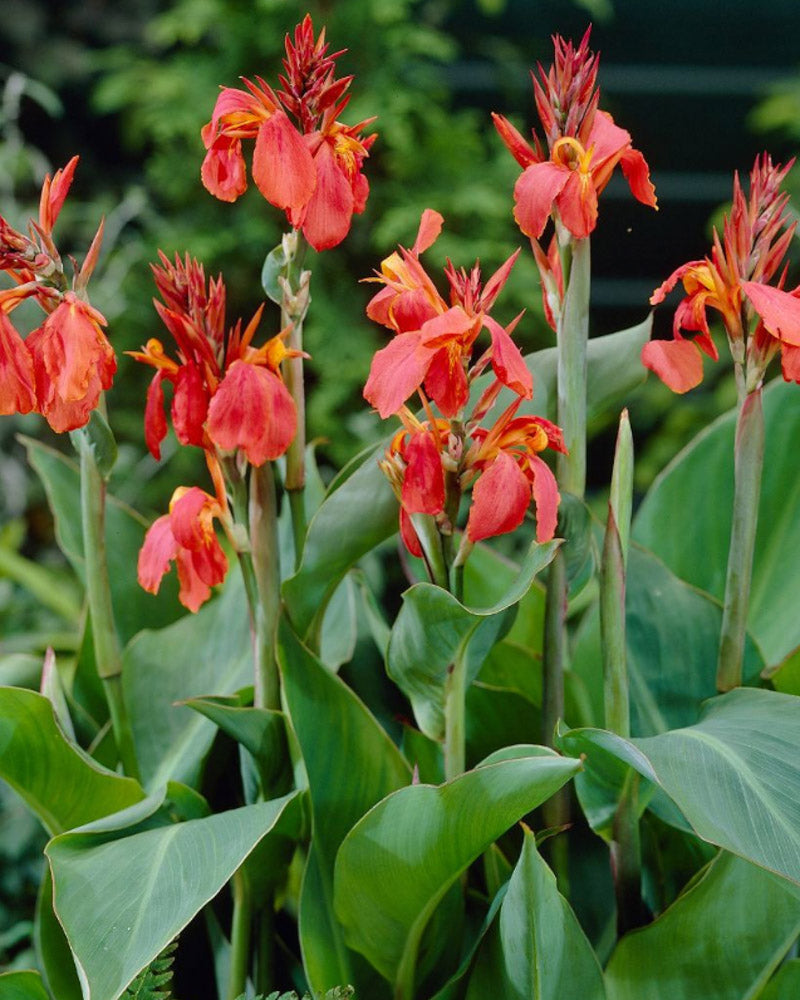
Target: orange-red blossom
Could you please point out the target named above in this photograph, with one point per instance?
(63, 365)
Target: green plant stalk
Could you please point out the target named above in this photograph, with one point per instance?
(455, 692)
(626, 858)
(263, 521)
(240, 935)
(430, 541)
(748, 463)
(108, 655)
(295, 480)
(572, 335)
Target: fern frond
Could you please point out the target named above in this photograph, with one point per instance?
(154, 982)
(337, 993)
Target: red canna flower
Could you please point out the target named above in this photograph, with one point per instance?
(61, 368)
(305, 162)
(734, 281)
(186, 537)
(511, 475)
(433, 341)
(226, 393)
(584, 146)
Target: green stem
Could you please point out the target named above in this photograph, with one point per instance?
(240, 935)
(430, 541)
(265, 945)
(293, 310)
(266, 564)
(748, 462)
(455, 690)
(108, 656)
(626, 858)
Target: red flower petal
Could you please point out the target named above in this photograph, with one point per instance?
(193, 591)
(252, 410)
(329, 212)
(156, 554)
(17, 379)
(678, 363)
(423, 482)
(790, 363)
(282, 165)
(577, 204)
(430, 226)
(534, 193)
(779, 311)
(397, 371)
(446, 381)
(546, 497)
(637, 174)
(499, 499)
(517, 146)
(155, 423)
(223, 171)
(507, 360)
(189, 405)
(409, 535)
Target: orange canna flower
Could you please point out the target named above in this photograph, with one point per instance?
(186, 537)
(584, 147)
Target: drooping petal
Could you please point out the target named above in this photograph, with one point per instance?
(17, 379)
(519, 148)
(155, 423)
(156, 554)
(54, 192)
(252, 410)
(534, 193)
(577, 204)
(499, 499)
(223, 172)
(666, 287)
(779, 311)
(446, 381)
(423, 482)
(678, 363)
(329, 212)
(409, 534)
(193, 591)
(546, 498)
(189, 405)
(192, 522)
(73, 349)
(637, 174)
(282, 165)
(430, 226)
(507, 360)
(397, 371)
(790, 363)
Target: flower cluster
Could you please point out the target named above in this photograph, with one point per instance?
(429, 463)
(227, 397)
(583, 146)
(305, 162)
(61, 367)
(734, 280)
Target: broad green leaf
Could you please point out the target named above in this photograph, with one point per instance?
(125, 531)
(58, 781)
(720, 940)
(396, 864)
(121, 901)
(735, 775)
(209, 651)
(22, 986)
(786, 676)
(677, 528)
(98, 437)
(536, 950)
(354, 518)
(433, 627)
(261, 731)
(672, 637)
(351, 764)
(785, 983)
(52, 948)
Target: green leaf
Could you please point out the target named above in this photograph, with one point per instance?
(209, 651)
(735, 775)
(433, 627)
(52, 947)
(397, 863)
(351, 764)
(536, 948)
(121, 901)
(274, 265)
(22, 986)
(150, 983)
(786, 982)
(98, 437)
(672, 636)
(125, 531)
(58, 781)
(676, 527)
(261, 731)
(720, 940)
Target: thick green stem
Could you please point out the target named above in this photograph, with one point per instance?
(430, 541)
(626, 858)
(240, 935)
(455, 690)
(748, 462)
(266, 564)
(108, 656)
(265, 945)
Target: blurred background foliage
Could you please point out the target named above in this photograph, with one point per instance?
(129, 83)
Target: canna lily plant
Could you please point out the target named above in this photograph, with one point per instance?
(507, 780)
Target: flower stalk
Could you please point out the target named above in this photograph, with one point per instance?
(748, 463)
(263, 519)
(108, 656)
